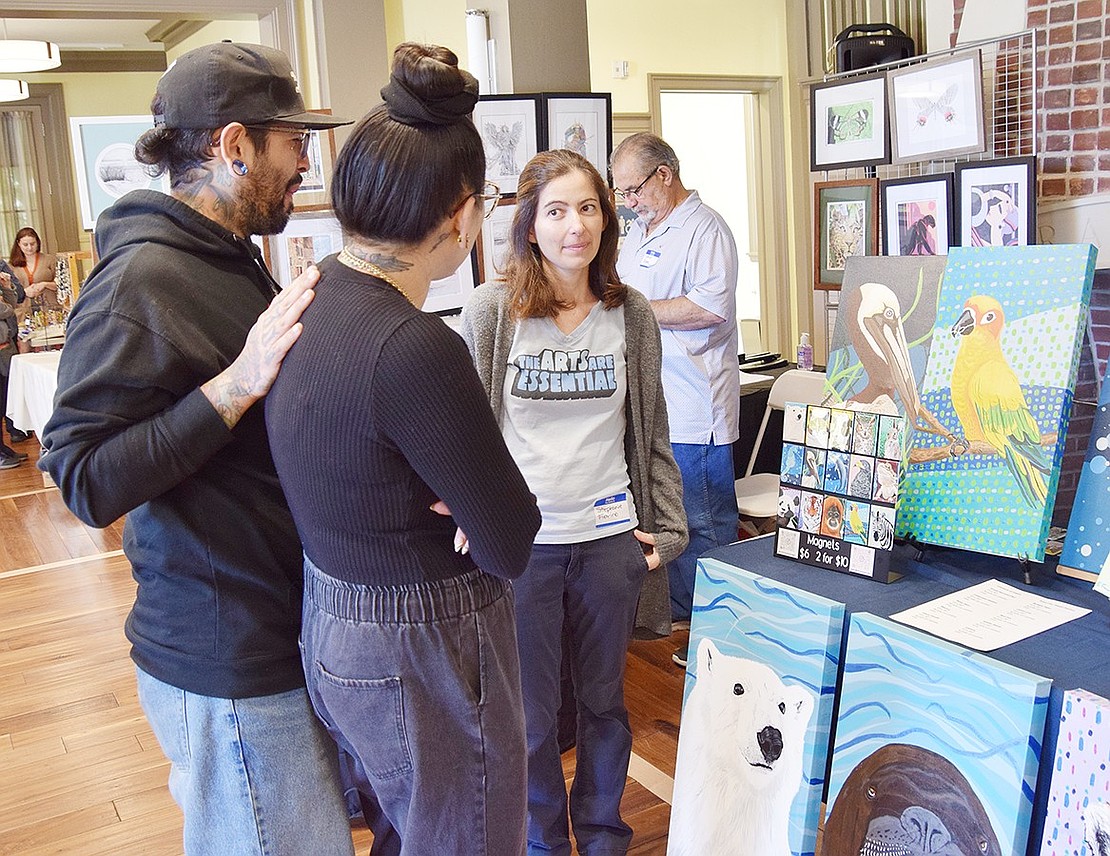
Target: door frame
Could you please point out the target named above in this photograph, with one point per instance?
(766, 154)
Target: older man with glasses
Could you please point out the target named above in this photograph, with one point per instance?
(177, 337)
(681, 254)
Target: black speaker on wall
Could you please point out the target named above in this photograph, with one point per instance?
(864, 45)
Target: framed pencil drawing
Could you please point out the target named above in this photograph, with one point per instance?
(315, 189)
(848, 123)
(494, 244)
(447, 295)
(306, 240)
(846, 221)
(917, 215)
(996, 202)
(936, 109)
(104, 154)
(581, 122)
(510, 127)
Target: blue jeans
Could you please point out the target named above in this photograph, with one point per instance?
(420, 685)
(709, 497)
(593, 586)
(253, 776)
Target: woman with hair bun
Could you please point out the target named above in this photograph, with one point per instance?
(380, 429)
(570, 359)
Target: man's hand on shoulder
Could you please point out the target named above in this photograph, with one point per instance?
(251, 375)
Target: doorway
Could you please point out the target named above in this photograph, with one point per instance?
(728, 133)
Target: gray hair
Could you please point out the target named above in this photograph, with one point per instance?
(648, 150)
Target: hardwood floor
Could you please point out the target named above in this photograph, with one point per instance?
(82, 772)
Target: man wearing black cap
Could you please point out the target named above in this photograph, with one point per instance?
(179, 330)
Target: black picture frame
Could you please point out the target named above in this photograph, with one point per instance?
(984, 189)
(512, 132)
(896, 223)
(581, 122)
(848, 123)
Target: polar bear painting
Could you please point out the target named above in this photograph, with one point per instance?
(740, 752)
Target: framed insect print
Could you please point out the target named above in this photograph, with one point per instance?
(581, 122)
(849, 124)
(996, 202)
(917, 215)
(510, 127)
(846, 223)
(936, 109)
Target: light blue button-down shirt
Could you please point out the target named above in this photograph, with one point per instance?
(692, 253)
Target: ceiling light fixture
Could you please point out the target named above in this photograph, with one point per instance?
(18, 56)
(13, 90)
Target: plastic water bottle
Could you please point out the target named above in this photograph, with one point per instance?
(805, 353)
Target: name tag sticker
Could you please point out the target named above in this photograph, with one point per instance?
(651, 258)
(611, 510)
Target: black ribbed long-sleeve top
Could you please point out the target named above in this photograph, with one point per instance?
(377, 413)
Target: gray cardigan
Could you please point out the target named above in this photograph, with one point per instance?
(656, 482)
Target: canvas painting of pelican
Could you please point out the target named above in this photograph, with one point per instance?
(884, 327)
(999, 384)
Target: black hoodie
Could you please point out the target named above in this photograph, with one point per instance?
(208, 533)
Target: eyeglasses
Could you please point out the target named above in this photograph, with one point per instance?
(489, 197)
(622, 195)
(299, 136)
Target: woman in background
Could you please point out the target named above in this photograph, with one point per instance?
(570, 359)
(376, 421)
(36, 271)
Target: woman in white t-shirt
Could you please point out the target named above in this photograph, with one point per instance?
(570, 359)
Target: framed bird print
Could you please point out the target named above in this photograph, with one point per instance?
(839, 488)
(848, 123)
(880, 345)
(996, 202)
(510, 127)
(581, 122)
(999, 384)
(846, 224)
(917, 215)
(936, 109)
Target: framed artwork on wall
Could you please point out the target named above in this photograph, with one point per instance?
(996, 202)
(581, 122)
(848, 123)
(314, 192)
(495, 240)
(510, 127)
(104, 153)
(306, 240)
(447, 295)
(846, 222)
(936, 109)
(917, 215)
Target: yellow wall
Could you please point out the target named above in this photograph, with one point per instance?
(435, 22)
(693, 37)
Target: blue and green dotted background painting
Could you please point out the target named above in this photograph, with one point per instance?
(973, 501)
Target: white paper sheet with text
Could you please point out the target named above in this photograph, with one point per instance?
(989, 615)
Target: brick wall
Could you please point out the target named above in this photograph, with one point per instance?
(1073, 65)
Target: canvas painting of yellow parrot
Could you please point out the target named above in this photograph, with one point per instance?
(999, 385)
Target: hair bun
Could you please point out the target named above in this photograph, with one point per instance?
(427, 87)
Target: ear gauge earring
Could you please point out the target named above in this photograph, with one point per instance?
(238, 167)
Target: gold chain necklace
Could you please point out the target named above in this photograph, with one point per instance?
(349, 259)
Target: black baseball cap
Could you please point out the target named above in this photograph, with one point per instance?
(217, 84)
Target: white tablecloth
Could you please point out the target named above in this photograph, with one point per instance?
(31, 386)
